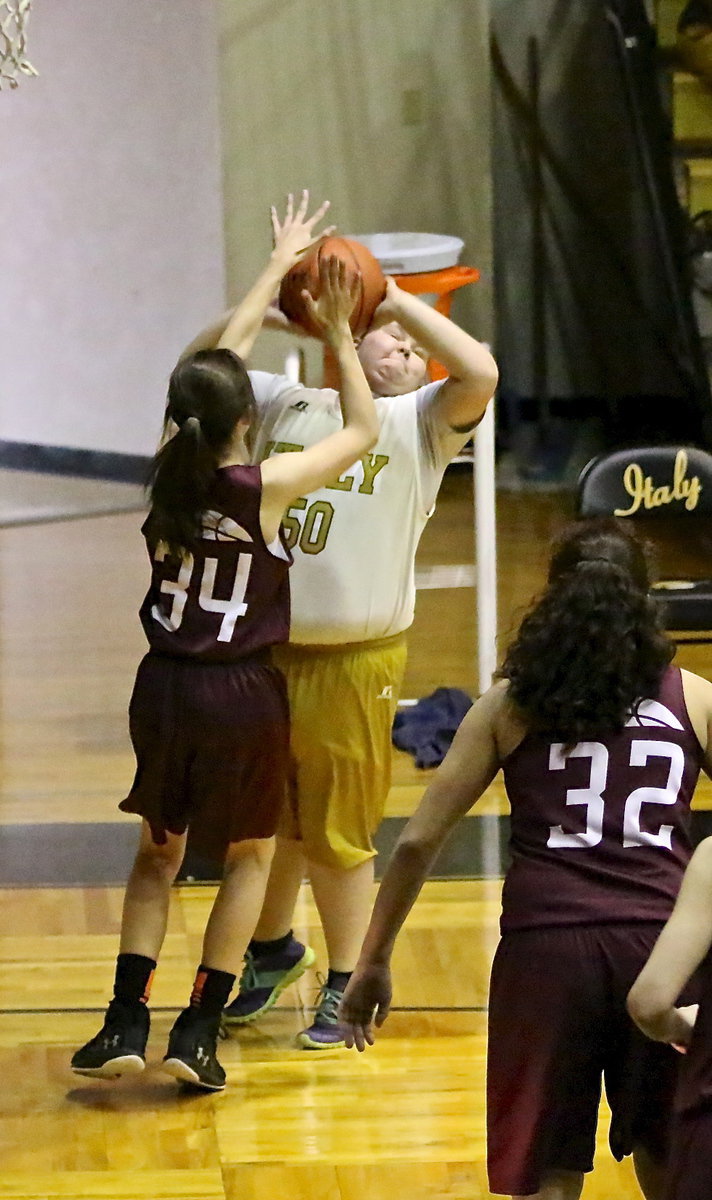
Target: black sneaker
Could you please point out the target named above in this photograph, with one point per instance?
(191, 1055)
(119, 1047)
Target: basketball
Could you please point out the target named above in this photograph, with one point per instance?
(306, 275)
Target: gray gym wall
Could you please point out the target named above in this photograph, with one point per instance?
(130, 190)
(111, 239)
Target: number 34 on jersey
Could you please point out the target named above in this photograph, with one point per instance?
(217, 528)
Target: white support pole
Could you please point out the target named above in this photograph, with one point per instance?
(294, 364)
(485, 548)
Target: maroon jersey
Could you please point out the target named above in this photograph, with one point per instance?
(601, 833)
(228, 598)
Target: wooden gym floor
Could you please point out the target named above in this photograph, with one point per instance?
(408, 1116)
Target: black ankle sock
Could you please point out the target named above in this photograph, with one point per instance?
(211, 991)
(263, 949)
(337, 980)
(134, 974)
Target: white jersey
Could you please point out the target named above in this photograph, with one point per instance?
(354, 541)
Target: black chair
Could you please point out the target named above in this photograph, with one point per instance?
(670, 486)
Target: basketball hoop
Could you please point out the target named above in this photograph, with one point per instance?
(13, 22)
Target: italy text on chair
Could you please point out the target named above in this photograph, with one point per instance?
(667, 490)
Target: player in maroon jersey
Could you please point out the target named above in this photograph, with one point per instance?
(683, 946)
(601, 741)
(208, 714)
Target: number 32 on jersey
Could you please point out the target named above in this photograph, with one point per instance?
(592, 796)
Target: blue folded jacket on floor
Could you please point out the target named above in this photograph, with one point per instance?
(427, 729)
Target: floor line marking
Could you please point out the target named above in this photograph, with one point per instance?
(283, 1008)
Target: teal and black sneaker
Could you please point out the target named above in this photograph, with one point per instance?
(264, 979)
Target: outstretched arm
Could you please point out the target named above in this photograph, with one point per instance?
(274, 318)
(237, 329)
(472, 371)
(468, 768)
(678, 952)
(209, 337)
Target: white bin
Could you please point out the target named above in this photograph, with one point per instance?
(412, 253)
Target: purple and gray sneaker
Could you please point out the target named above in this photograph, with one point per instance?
(264, 979)
(324, 1033)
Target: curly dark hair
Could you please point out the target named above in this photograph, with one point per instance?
(592, 645)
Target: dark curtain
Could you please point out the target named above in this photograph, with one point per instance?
(592, 275)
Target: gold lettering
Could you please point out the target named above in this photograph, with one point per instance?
(685, 489)
(694, 493)
(343, 484)
(642, 490)
(634, 484)
(372, 464)
(678, 475)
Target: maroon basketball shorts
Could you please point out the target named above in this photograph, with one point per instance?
(690, 1167)
(557, 1028)
(212, 750)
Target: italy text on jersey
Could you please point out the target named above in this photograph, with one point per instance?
(360, 477)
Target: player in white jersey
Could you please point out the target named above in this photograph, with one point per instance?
(353, 595)
(358, 536)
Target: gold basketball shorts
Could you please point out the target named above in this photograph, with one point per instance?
(342, 701)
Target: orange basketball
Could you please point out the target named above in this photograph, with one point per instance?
(306, 275)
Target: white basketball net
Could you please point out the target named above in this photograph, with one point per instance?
(13, 21)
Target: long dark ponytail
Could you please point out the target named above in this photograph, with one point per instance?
(592, 645)
(208, 393)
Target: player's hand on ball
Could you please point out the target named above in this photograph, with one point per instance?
(365, 1003)
(338, 293)
(388, 310)
(295, 234)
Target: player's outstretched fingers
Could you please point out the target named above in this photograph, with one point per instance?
(359, 1035)
(320, 212)
(299, 225)
(303, 205)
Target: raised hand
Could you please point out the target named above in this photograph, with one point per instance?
(331, 310)
(388, 310)
(365, 1003)
(296, 232)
